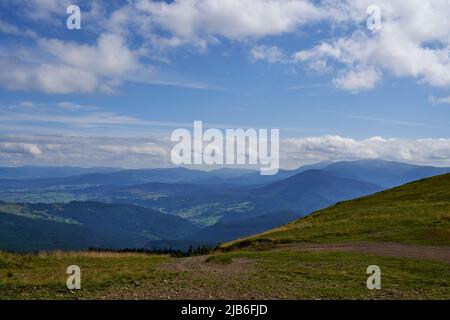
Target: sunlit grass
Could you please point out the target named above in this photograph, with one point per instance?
(417, 213)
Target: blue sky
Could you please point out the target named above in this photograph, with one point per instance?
(139, 69)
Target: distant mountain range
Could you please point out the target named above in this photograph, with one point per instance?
(386, 174)
(177, 206)
(118, 178)
(35, 172)
(383, 173)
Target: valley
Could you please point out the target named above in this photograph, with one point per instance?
(212, 207)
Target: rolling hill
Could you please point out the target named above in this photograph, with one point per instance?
(80, 225)
(227, 231)
(279, 203)
(116, 178)
(303, 193)
(255, 178)
(207, 204)
(416, 213)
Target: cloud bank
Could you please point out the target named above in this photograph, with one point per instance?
(154, 151)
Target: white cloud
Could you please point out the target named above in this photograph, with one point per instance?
(271, 54)
(73, 67)
(50, 78)
(357, 80)
(317, 57)
(20, 148)
(85, 151)
(110, 56)
(439, 100)
(335, 148)
(154, 151)
(414, 41)
(193, 20)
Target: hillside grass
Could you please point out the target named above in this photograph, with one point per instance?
(275, 274)
(43, 276)
(416, 213)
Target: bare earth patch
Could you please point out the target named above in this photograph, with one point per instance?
(196, 278)
(441, 254)
(201, 264)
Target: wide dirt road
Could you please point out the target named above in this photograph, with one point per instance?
(441, 254)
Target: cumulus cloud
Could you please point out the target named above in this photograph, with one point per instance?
(414, 41)
(357, 80)
(73, 68)
(110, 56)
(191, 20)
(50, 78)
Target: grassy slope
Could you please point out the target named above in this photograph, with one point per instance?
(416, 213)
(273, 274)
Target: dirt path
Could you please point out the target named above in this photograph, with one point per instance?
(441, 254)
(196, 278)
(201, 264)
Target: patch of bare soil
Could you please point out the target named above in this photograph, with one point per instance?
(194, 278)
(441, 254)
(200, 264)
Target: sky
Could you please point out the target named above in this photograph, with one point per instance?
(111, 93)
